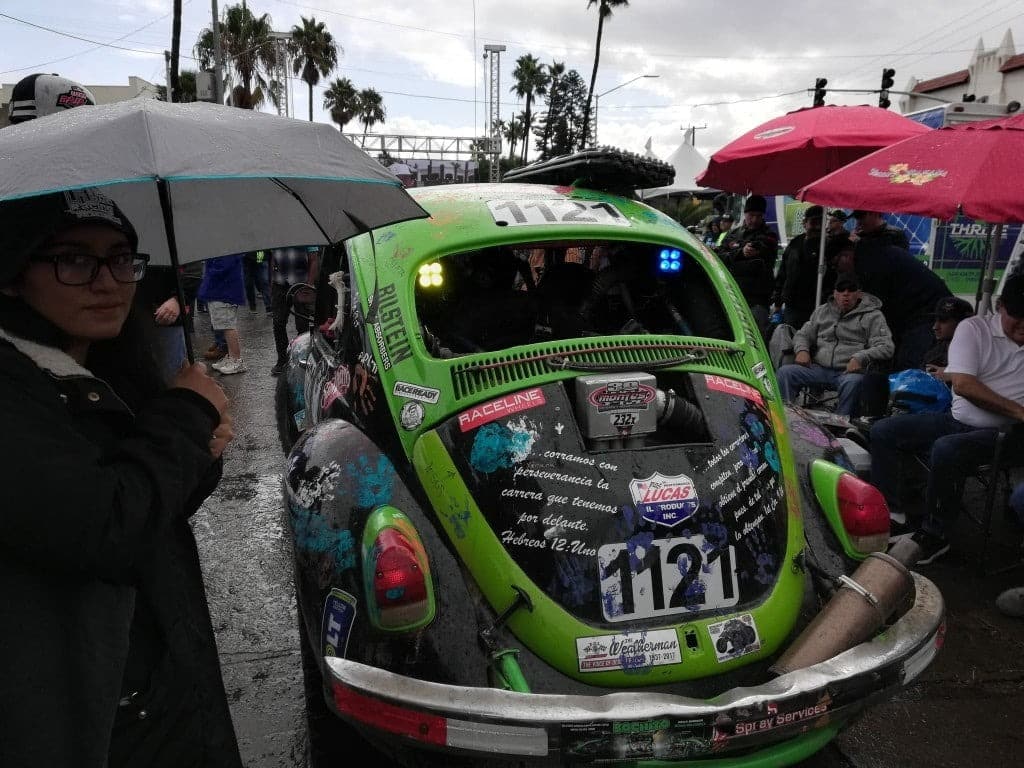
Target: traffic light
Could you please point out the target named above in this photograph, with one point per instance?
(819, 91)
(887, 83)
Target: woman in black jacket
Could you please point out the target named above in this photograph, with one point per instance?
(107, 655)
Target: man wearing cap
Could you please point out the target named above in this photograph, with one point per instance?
(986, 368)
(837, 345)
(40, 95)
(949, 311)
(796, 285)
(725, 225)
(836, 222)
(906, 287)
(749, 252)
(872, 227)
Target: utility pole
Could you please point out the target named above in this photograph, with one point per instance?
(167, 69)
(494, 105)
(693, 133)
(218, 57)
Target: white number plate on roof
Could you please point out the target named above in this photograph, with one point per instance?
(516, 213)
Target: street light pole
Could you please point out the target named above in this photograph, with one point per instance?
(597, 100)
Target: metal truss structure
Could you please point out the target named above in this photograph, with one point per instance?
(406, 147)
(282, 71)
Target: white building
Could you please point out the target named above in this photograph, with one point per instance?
(104, 94)
(994, 75)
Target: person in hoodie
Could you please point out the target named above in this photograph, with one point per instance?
(833, 349)
(107, 653)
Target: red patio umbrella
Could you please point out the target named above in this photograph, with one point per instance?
(976, 170)
(784, 154)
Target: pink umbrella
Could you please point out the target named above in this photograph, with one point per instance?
(784, 154)
(973, 169)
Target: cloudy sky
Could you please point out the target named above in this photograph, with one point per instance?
(726, 66)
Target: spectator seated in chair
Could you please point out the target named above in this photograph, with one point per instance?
(843, 338)
(986, 369)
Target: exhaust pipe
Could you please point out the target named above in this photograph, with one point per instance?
(859, 607)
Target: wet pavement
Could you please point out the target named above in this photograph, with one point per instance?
(963, 711)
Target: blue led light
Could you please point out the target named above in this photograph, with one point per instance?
(675, 266)
(665, 266)
(670, 260)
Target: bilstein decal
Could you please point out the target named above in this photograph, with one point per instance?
(389, 329)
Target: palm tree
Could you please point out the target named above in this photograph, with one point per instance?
(315, 53)
(556, 72)
(531, 80)
(604, 11)
(511, 131)
(342, 101)
(371, 108)
(249, 52)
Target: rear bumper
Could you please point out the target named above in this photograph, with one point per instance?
(638, 725)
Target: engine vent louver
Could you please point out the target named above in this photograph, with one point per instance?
(478, 375)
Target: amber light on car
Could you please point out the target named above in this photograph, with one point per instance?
(864, 513)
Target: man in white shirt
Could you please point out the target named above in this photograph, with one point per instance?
(986, 368)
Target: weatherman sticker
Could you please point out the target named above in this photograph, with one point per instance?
(631, 650)
(339, 615)
(664, 499)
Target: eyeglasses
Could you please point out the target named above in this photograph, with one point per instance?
(81, 268)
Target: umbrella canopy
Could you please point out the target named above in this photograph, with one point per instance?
(206, 180)
(974, 169)
(784, 154)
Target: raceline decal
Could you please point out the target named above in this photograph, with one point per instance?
(517, 213)
(634, 650)
(621, 395)
(339, 615)
(664, 499)
(734, 637)
(389, 329)
(733, 387)
(485, 413)
(416, 392)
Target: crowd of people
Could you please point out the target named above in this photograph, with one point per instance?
(884, 311)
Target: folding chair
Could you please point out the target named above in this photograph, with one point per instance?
(995, 477)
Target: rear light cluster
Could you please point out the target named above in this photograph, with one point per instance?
(864, 513)
(396, 573)
(856, 510)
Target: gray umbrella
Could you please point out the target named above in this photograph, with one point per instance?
(202, 180)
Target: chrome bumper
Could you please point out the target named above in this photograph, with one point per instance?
(638, 725)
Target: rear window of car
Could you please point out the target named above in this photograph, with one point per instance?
(496, 298)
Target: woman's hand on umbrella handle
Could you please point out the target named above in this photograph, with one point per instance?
(222, 435)
(196, 378)
(168, 312)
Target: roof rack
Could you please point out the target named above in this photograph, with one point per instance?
(605, 168)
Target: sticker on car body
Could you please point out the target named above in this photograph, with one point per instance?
(518, 213)
(734, 637)
(664, 499)
(665, 577)
(416, 392)
(630, 650)
(339, 615)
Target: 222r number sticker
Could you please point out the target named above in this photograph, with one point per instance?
(670, 576)
(518, 213)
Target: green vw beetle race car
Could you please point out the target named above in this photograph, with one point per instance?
(548, 507)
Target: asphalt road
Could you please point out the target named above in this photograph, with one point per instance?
(964, 711)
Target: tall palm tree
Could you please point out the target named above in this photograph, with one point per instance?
(315, 53)
(556, 72)
(511, 131)
(249, 53)
(342, 101)
(531, 80)
(604, 11)
(371, 108)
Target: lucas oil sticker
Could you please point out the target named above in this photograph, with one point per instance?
(632, 650)
(664, 499)
(339, 614)
(734, 637)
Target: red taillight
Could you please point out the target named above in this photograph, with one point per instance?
(864, 512)
(388, 717)
(397, 577)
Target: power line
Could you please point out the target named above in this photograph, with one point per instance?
(97, 43)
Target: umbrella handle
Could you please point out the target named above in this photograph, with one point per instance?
(165, 208)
